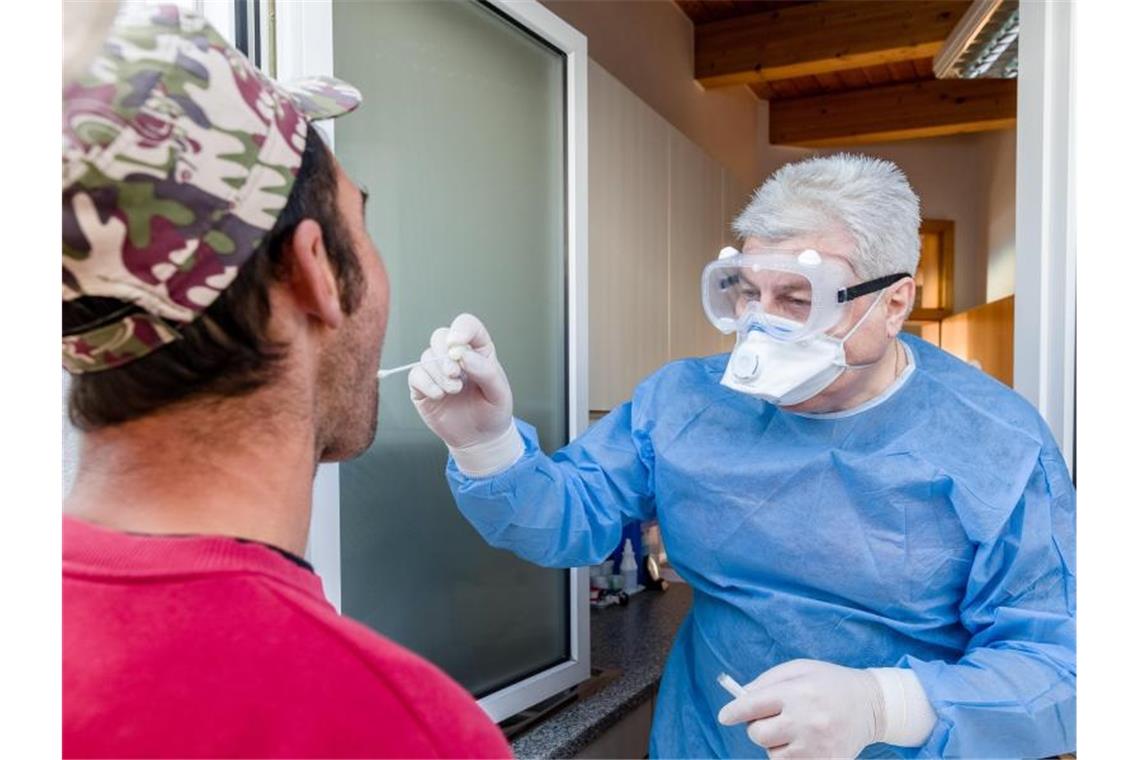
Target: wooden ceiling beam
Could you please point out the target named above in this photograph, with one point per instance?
(803, 40)
(894, 112)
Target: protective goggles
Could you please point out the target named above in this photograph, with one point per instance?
(788, 294)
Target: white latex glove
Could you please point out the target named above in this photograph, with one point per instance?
(462, 394)
(808, 708)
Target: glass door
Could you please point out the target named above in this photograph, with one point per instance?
(471, 144)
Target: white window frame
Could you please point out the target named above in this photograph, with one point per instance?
(1044, 325)
(302, 36)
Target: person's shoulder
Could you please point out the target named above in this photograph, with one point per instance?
(357, 690)
(377, 677)
(981, 434)
(969, 391)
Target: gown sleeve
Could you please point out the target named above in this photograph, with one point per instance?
(1013, 692)
(564, 510)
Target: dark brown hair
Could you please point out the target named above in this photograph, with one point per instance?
(226, 351)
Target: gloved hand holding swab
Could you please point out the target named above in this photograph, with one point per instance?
(467, 399)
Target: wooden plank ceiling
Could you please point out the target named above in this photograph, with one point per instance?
(845, 72)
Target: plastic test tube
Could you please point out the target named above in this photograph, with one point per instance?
(730, 685)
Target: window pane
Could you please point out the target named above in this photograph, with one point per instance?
(460, 142)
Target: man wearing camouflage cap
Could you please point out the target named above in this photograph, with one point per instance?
(223, 312)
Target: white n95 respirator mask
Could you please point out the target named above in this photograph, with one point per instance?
(781, 303)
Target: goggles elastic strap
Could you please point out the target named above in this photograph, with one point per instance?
(853, 292)
(843, 341)
(859, 324)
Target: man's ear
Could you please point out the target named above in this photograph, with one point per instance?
(899, 300)
(311, 279)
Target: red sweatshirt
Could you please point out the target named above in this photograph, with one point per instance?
(208, 646)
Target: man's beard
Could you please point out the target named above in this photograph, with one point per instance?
(350, 396)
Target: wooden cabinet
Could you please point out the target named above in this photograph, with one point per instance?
(983, 336)
(933, 279)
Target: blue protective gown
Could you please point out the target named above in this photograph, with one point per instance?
(931, 531)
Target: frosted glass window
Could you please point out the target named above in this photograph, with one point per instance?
(460, 142)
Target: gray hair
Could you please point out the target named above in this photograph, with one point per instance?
(868, 197)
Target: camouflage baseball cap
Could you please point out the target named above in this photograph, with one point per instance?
(178, 156)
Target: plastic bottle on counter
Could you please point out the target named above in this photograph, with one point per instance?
(628, 568)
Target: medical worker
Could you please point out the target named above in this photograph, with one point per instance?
(879, 537)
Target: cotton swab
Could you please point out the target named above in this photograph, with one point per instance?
(455, 353)
(397, 370)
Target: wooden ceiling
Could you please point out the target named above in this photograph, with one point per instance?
(701, 11)
(845, 72)
(843, 80)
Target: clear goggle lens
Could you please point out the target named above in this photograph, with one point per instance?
(778, 302)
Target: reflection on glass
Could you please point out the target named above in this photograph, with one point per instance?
(460, 142)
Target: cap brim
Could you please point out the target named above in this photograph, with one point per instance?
(322, 97)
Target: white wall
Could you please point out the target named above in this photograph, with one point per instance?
(648, 46)
(659, 211)
(629, 240)
(997, 162)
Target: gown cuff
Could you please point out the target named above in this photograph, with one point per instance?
(909, 718)
(481, 460)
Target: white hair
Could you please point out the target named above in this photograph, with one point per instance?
(867, 197)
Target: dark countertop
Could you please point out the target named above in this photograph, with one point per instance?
(636, 640)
